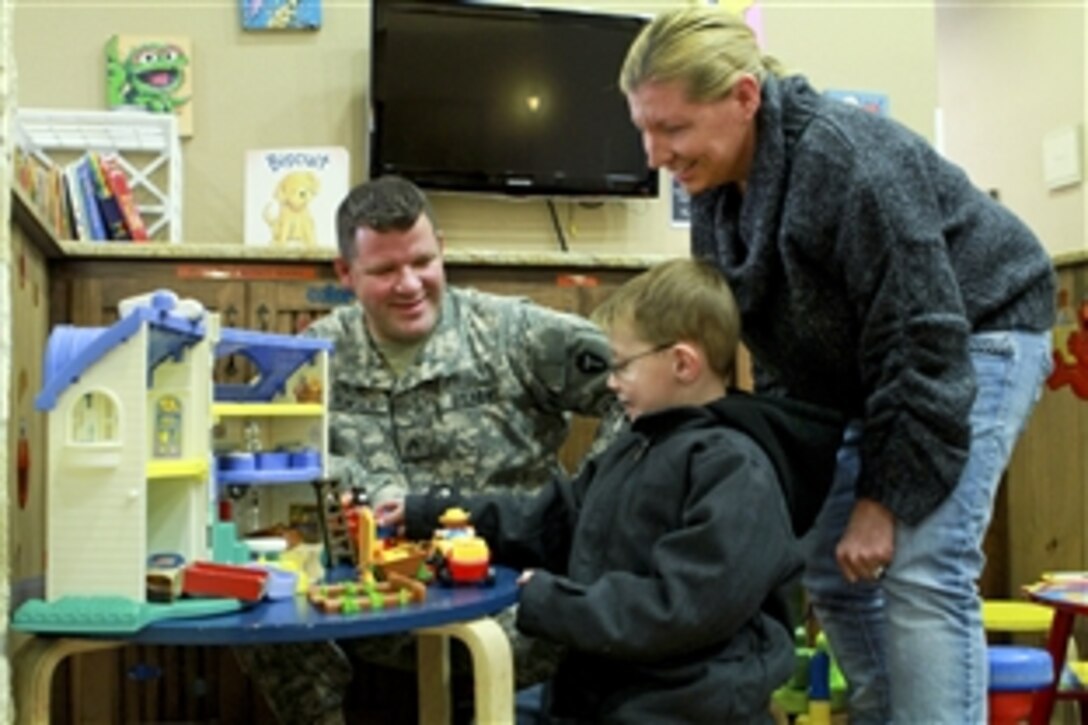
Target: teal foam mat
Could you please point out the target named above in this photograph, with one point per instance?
(108, 615)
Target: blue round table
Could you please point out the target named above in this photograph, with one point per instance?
(296, 620)
(459, 612)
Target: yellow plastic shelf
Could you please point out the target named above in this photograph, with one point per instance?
(267, 410)
(1012, 616)
(178, 468)
(1065, 576)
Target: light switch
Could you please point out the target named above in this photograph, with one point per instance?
(1062, 157)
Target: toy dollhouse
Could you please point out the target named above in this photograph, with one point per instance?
(141, 444)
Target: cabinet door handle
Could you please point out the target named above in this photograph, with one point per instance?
(263, 314)
(230, 314)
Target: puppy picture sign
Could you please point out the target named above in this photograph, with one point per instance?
(291, 195)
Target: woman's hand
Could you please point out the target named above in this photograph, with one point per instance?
(524, 577)
(868, 546)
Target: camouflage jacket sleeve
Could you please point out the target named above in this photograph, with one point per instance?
(563, 360)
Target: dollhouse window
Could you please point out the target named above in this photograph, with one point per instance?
(95, 418)
(168, 416)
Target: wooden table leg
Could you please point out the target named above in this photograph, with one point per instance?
(35, 662)
(492, 671)
(1057, 641)
(433, 650)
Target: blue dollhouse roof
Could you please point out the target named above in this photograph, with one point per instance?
(71, 351)
(277, 357)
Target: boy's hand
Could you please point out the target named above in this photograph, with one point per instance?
(524, 577)
(390, 513)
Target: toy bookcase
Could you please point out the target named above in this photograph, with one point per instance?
(146, 145)
(273, 430)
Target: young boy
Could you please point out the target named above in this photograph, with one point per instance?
(658, 566)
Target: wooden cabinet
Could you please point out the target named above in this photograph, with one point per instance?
(285, 296)
(1047, 480)
(281, 296)
(89, 290)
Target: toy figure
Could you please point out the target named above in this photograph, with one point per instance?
(251, 434)
(458, 555)
(307, 390)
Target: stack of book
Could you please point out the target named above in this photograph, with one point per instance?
(100, 201)
(43, 185)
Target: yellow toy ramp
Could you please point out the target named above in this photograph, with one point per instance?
(1001, 615)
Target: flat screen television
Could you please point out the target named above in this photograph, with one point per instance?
(504, 99)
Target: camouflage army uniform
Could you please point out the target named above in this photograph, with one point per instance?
(486, 404)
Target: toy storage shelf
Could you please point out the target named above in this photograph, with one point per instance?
(264, 478)
(267, 410)
(182, 468)
(146, 143)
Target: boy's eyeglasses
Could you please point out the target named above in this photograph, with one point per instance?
(619, 367)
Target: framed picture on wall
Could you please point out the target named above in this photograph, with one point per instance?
(280, 14)
(151, 73)
(877, 103)
(291, 195)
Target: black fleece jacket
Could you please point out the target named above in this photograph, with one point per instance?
(659, 566)
(862, 261)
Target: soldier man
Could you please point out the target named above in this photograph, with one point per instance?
(431, 385)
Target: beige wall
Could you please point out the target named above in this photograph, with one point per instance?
(257, 90)
(880, 47)
(1009, 74)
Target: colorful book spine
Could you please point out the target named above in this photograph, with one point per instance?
(59, 217)
(107, 202)
(118, 184)
(80, 229)
(95, 222)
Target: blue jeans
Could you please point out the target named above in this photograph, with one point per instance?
(529, 706)
(912, 645)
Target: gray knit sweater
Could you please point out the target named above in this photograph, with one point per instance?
(862, 261)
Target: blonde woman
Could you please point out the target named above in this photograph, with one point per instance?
(871, 276)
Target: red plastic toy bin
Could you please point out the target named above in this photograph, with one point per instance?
(206, 579)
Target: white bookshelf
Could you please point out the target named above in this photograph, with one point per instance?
(146, 144)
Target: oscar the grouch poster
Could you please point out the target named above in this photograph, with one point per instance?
(151, 73)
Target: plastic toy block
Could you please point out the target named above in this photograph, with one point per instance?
(281, 583)
(356, 597)
(793, 697)
(102, 615)
(405, 558)
(226, 548)
(224, 580)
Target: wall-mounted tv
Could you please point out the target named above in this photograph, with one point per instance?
(503, 99)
